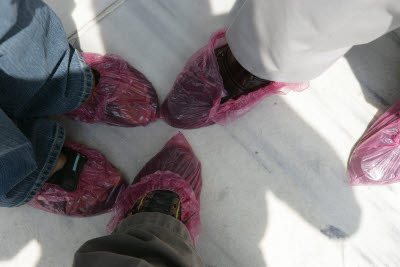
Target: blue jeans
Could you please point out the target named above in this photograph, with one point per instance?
(41, 74)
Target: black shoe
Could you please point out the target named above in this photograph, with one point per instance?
(237, 80)
(162, 201)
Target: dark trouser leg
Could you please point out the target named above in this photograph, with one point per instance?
(144, 239)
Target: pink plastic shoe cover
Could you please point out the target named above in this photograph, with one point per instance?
(122, 97)
(376, 158)
(100, 185)
(195, 99)
(174, 168)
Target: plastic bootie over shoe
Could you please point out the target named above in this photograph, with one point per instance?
(175, 168)
(89, 186)
(123, 96)
(376, 158)
(198, 97)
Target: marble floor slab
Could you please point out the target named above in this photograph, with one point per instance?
(78, 14)
(275, 185)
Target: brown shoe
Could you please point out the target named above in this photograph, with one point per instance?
(237, 80)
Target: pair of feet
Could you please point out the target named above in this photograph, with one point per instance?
(237, 82)
(122, 96)
(169, 183)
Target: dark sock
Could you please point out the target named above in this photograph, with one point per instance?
(96, 76)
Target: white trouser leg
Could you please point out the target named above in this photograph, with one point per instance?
(295, 41)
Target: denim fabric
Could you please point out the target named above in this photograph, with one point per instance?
(40, 75)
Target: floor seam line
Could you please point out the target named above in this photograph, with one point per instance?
(108, 10)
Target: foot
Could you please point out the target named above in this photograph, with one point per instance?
(375, 159)
(170, 183)
(86, 185)
(122, 96)
(214, 88)
(162, 201)
(237, 80)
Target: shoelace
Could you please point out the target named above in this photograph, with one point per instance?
(163, 201)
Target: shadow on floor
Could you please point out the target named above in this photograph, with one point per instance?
(377, 67)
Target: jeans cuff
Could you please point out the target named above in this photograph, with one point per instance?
(49, 165)
(87, 80)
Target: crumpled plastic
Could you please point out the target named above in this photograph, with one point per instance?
(100, 185)
(122, 97)
(376, 158)
(174, 168)
(195, 100)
